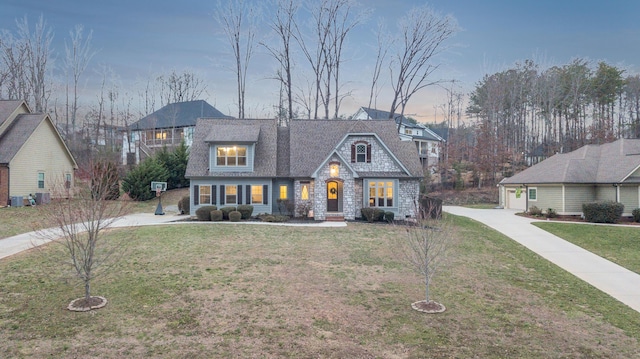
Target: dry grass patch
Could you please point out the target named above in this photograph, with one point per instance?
(240, 291)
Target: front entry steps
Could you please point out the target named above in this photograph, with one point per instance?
(334, 217)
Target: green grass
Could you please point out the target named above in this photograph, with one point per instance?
(620, 245)
(225, 290)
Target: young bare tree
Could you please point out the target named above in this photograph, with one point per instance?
(384, 41)
(425, 248)
(282, 25)
(78, 54)
(238, 20)
(81, 220)
(423, 33)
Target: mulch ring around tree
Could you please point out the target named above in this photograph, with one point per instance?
(84, 305)
(429, 307)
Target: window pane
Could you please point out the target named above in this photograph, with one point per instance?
(305, 191)
(256, 194)
(221, 161)
(230, 194)
(242, 151)
(205, 194)
(231, 152)
(283, 191)
(242, 161)
(231, 161)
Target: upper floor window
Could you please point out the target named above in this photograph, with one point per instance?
(361, 152)
(231, 156)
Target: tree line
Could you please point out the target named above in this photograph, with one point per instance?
(524, 114)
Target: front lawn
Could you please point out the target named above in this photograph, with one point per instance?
(207, 290)
(620, 245)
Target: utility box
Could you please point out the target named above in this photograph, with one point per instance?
(16, 201)
(43, 197)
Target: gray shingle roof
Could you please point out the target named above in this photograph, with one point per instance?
(7, 107)
(17, 134)
(233, 133)
(298, 150)
(179, 114)
(608, 163)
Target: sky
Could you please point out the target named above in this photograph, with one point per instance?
(138, 38)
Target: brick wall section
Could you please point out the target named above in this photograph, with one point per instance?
(4, 186)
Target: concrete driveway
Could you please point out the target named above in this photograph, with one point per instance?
(607, 276)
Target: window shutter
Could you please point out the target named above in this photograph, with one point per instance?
(265, 194)
(353, 153)
(222, 197)
(213, 195)
(368, 153)
(248, 194)
(196, 195)
(239, 192)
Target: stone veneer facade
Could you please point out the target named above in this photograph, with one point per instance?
(353, 192)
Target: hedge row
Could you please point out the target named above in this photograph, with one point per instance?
(233, 214)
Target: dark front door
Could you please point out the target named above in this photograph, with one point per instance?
(332, 196)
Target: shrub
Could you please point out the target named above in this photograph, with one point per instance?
(235, 216)
(216, 215)
(636, 215)
(388, 216)
(602, 212)
(274, 218)
(204, 213)
(551, 213)
(184, 205)
(368, 213)
(372, 214)
(535, 211)
(136, 182)
(246, 211)
(226, 211)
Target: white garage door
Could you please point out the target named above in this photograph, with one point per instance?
(513, 202)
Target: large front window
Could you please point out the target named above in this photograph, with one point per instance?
(231, 156)
(381, 194)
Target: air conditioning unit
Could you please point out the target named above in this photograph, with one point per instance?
(43, 197)
(16, 201)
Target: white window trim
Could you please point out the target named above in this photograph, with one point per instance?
(528, 191)
(261, 194)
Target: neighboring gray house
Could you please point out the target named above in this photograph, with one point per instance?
(428, 143)
(327, 169)
(167, 127)
(565, 181)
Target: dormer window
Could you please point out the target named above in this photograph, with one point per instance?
(231, 156)
(361, 152)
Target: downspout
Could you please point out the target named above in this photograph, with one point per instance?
(526, 198)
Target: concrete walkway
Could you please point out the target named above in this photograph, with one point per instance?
(12, 245)
(618, 282)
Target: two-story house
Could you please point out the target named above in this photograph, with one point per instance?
(33, 156)
(428, 143)
(326, 169)
(166, 127)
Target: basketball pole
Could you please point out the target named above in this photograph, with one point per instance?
(159, 211)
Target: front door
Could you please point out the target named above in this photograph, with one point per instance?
(332, 196)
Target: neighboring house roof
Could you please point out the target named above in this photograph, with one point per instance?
(607, 163)
(374, 114)
(7, 107)
(298, 150)
(179, 114)
(17, 134)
